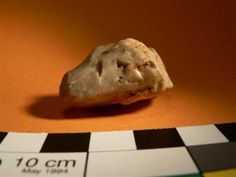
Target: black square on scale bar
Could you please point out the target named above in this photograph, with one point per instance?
(2, 136)
(157, 138)
(210, 157)
(67, 142)
(229, 130)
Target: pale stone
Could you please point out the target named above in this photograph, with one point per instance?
(123, 72)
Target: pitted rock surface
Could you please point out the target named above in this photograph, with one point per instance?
(122, 72)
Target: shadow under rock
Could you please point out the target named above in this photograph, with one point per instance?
(54, 107)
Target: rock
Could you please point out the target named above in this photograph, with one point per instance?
(123, 72)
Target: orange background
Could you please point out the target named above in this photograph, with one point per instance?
(41, 40)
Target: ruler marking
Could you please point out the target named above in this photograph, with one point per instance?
(82, 147)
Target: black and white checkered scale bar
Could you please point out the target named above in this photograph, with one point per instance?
(191, 150)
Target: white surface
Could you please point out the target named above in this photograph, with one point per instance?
(112, 141)
(23, 142)
(66, 164)
(204, 134)
(154, 162)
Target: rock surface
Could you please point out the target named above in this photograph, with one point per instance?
(123, 72)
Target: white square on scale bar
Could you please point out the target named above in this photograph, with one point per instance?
(112, 141)
(151, 162)
(203, 134)
(23, 142)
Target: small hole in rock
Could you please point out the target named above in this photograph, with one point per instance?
(121, 65)
(99, 68)
(149, 64)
